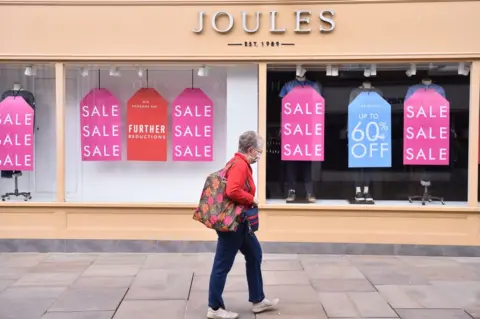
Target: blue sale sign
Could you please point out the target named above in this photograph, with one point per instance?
(369, 131)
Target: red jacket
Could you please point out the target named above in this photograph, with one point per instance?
(237, 176)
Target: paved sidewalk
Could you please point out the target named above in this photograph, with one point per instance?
(174, 286)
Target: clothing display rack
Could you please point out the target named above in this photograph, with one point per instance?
(27, 196)
(425, 197)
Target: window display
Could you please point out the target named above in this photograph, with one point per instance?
(27, 133)
(387, 134)
(152, 133)
(369, 137)
(302, 123)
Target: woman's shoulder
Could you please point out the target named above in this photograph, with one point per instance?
(238, 163)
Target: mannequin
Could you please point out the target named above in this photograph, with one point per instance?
(300, 80)
(427, 83)
(362, 176)
(304, 168)
(30, 99)
(17, 90)
(365, 87)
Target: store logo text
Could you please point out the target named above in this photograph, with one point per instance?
(302, 22)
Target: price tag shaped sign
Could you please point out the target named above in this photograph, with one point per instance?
(369, 131)
(100, 123)
(16, 135)
(426, 131)
(303, 121)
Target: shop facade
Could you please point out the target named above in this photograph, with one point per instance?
(240, 56)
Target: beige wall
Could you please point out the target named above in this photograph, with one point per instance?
(161, 30)
(378, 225)
(156, 30)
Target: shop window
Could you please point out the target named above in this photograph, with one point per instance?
(27, 133)
(368, 134)
(152, 133)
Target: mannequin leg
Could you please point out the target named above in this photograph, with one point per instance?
(358, 180)
(307, 179)
(367, 179)
(291, 169)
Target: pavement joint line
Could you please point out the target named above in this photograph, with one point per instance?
(120, 303)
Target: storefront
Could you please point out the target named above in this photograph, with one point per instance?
(123, 172)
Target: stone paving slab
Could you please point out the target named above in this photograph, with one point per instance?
(89, 299)
(175, 286)
(80, 315)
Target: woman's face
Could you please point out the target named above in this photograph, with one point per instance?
(254, 154)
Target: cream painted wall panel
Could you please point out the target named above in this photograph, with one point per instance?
(73, 149)
(242, 101)
(45, 168)
(364, 30)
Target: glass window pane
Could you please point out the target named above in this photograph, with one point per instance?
(368, 134)
(27, 133)
(153, 133)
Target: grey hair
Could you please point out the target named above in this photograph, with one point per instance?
(249, 139)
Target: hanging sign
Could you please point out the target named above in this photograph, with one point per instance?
(16, 134)
(192, 122)
(147, 122)
(100, 124)
(303, 120)
(369, 134)
(426, 129)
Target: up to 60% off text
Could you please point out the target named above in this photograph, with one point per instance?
(368, 141)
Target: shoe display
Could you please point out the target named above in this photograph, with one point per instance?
(311, 198)
(265, 305)
(291, 196)
(359, 198)
(368, 198)
(221, 314)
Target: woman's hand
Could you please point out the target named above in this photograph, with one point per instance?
(255, 202)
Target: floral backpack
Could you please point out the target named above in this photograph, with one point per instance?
(215, 210)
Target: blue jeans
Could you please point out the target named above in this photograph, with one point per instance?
(229, 243)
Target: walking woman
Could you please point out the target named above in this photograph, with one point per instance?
(241, 190)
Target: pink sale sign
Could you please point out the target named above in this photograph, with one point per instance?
(426, 129)
(303, 120)
(16, 135)
(192, 122)
(100, 124)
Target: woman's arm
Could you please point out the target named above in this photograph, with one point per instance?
(236, 179)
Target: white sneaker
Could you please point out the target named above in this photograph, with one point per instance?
(265, 305)
(221, 314)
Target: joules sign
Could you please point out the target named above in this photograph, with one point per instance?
(251, 22)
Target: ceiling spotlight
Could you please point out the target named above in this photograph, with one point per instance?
(203, 71)
(114, 71)
(463, 68)
(412, 70)
(300, 71)
(140, 72)
(373, 70)
(30, 70)
(84, 72)
(367, 73)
